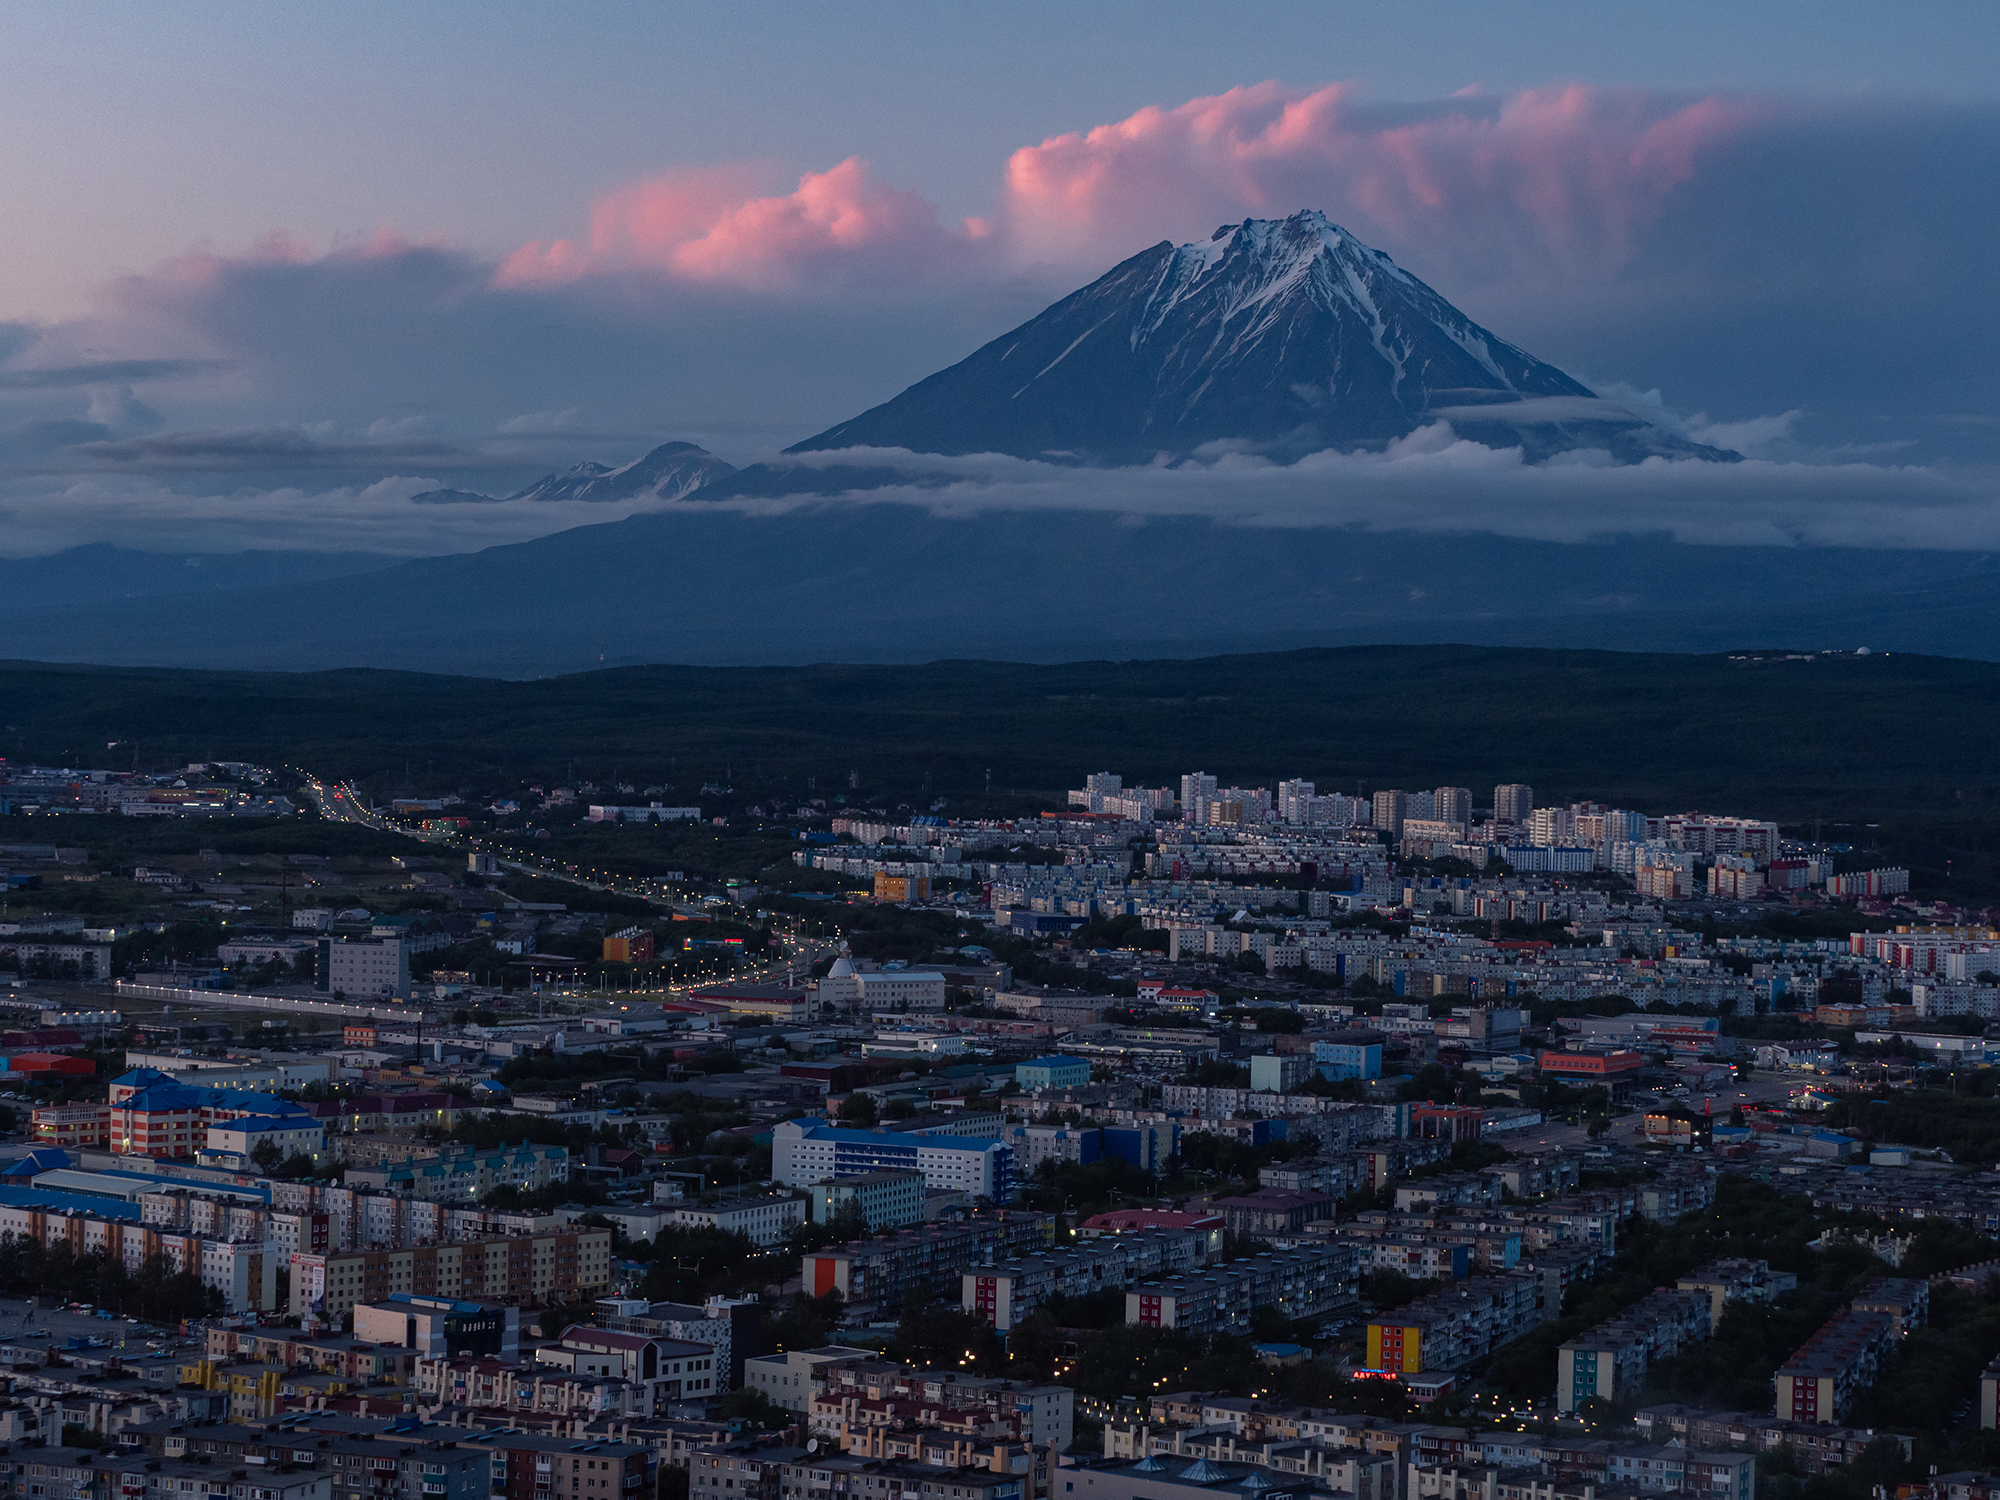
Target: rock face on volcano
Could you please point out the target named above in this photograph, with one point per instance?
(1284, 335)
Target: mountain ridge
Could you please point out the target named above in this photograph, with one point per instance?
(672, 471)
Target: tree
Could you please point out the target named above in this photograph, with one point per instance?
(858, 1109)
(752, 1406)
(268, 1155)
(933, 1334)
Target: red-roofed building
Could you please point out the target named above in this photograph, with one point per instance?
(1592, 1067)
(1136, 1220)
(47, 1064)
(1446, 1122)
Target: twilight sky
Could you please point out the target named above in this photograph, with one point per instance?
(271, 270)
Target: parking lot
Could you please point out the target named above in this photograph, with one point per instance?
(20, 1319)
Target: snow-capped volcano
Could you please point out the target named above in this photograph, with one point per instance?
(1289, 335)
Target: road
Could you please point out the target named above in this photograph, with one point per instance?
(341, 802)
(1758, 1088)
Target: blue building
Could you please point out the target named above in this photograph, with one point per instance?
(1352, 1054)
(803, 1155)
(1150, 1147)
(1052, 1073)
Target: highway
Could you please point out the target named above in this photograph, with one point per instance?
(341, 802)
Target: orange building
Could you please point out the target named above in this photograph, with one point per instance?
(1593, 1066)
(902, 887)
(632, 946)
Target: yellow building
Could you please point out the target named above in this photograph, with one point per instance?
(902, 887)
(1396, 1347)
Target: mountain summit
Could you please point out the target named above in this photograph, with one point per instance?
(1287, 335)
(670, 472)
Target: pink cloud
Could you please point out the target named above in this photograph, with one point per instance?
(706, 226)
(1563, 178)
(1568, 173)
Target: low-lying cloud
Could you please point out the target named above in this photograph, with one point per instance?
(147, 515)
(1432, 481)
(1435, 481)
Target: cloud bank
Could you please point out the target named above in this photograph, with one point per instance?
(1431, 481)
(1805, 281)
(1434, 480)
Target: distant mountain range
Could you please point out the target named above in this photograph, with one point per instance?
(671, 471)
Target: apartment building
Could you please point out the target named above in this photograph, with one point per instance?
(1904, 1301)
(459, 1173)
(929, 1259)
(123, 1478)
(525, 1466)
(1610, 1361)
(1821, 1380)
(350, 1359)
(528, 1270)
(875, 1392)
(1448, 1329)
(669, 1369)
(1034, 1144)
(357, 1458)
(1303, 1283)
(888, 1199)
(332, 1218)
(766, 1219)
(363, 968)
(1724, 1281)
(788, 1379)
(1008, 1291)
(245, 1271)
(816, 1477)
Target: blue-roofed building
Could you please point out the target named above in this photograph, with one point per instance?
(70, 1203)
(1052, 1073)
(151, 1114)
(24, 1171)
(803, 1154)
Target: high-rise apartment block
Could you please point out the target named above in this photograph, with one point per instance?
(1390, 810)
(1452, 804)
(1551, 827)
(1197, 789)
(1512, 803)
